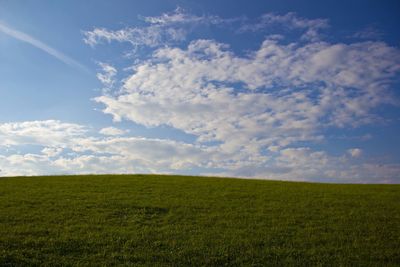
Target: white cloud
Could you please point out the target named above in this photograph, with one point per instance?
(151, 36)
(107, 75)
(52, 151)
(369, 33)
(253, 115)
(173, 27)
(112, 131)
(169, 28)
(49, 132)
(355, 152)
(280, 99)
(72, 148)
(89, 154)
(154, 153)
(180, 16)
(269, 22)
(25, 164)
(39, 44)
(304, 164)
(255, 108)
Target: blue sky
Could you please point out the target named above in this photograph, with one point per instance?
(289, 90)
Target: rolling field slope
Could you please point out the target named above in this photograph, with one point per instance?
(150, 220)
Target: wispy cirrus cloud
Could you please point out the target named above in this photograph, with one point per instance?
(167, 29)
(311, 27)
(368, 33)
(24, 37)
(173, 27)
(107, 76)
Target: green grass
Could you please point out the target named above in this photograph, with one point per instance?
(149, 220)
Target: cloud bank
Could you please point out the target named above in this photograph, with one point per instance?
(78, 149)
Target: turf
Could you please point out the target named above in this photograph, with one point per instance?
(150, 220)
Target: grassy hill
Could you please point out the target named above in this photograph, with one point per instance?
(155, 220)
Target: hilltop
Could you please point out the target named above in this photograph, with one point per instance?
(147, 220)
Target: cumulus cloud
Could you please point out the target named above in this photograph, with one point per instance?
(52, 151)
(114, 154)
(278, 95)
(306, 164)
(250, 110)
(72, 148)
(51, 132)
(112, 131)
(106, 77)
(259, 114)
(355, 152)
(87, 153)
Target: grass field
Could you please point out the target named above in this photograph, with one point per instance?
(149, 220)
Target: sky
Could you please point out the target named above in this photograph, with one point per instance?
(284, 90)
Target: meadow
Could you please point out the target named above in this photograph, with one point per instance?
(157, 220)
